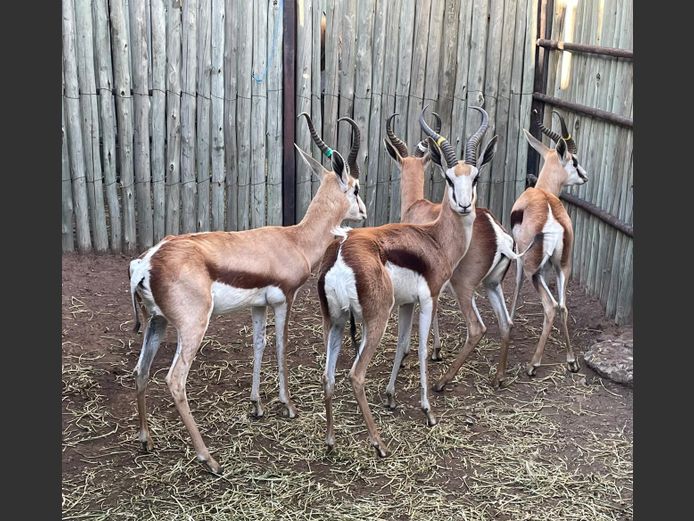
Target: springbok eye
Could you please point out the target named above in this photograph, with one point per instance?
(356, 189)
(575, 162)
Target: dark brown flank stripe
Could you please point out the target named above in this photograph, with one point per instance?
(245, 280)
(409, 260)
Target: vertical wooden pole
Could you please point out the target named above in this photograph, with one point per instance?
(544, 30)
(230, 127)
(158, 63)
(74, 132)
(143, 175)
(66, 189)
(173, 118)
(89, 112)
(274, 112)
(202, 129)
(217, 115)
(288, 113)
(108, 120)
(188, 98)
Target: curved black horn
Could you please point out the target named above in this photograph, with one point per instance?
(327, 151)
(423, 145)
(354, 151)
(474, 141)
(570, 143)
(551, 134)
(395, 140)
(446, 148)
(437, 125)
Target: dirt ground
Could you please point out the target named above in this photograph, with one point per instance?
(556, 446)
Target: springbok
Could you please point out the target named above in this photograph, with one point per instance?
(372, 269)
(540, 222)
(185, 279)
(486, 262)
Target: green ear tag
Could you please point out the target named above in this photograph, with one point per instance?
(329, 153)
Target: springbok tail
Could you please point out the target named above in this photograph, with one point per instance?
(135, 280)
(353, 332)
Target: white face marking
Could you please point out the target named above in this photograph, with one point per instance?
(357, 209)
(341, 289)
(576, 175)
(226, 298)
(408, 285)
(462, 193)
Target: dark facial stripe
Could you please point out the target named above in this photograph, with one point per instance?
(450, 183)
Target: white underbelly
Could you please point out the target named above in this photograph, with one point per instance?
(408, 285)
(227, 298)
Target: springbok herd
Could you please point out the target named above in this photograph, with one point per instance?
(185, 279)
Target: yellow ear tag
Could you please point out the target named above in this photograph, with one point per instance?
(440, 140)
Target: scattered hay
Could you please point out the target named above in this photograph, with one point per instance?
(495, 454)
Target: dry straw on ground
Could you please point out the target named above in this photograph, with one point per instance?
(495, 454)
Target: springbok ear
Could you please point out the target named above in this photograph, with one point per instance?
(537, 145)
(421, 152)
(392, 152)
(488, 152)
(340, 167)
(562, 149)
(435, 153)
(314, 165)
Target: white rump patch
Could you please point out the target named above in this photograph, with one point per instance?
(140, 272)
(341, 289)
(553, 237)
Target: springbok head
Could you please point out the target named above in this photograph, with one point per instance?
(461, 176)
(397, 149)
(564, 153)
(346, 173)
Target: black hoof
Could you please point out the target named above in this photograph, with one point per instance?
(574, 366)
(380, 451)
(531, 370)
(431, 419)
(290, 411)
(500, 383)
(215, 469)
(439, 387)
